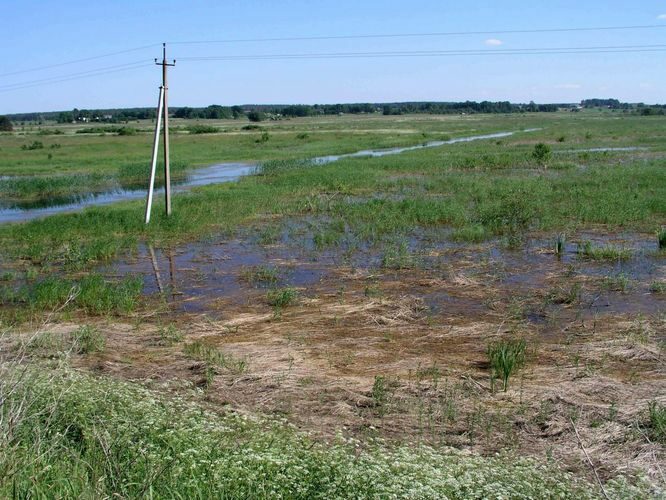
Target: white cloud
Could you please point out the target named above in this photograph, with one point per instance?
(645, 85)
(494, 42)
(568, 86)
(662, 17)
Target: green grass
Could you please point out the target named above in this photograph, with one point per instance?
(565, 294)
(657, 414)
(91, 294)
(260, 275)
(88, 437)
(397, 255)
(661, 238)
(616, 282)
(280, 298)
(505, 357)
(607, 252)
(202, 129)
(170, 335)
(213, 357)
(503, 194)
(87, 339)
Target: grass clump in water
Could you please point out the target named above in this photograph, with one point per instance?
(607, 252)
(397, 256)
(565, 294)
(560, 244)
(282, 297)
(505, 357)
(661, 238)
(616, 282)
(260, 275)
(473, 233)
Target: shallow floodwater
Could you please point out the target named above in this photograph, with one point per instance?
(213, 174)
(207, 277)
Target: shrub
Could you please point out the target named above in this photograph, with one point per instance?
(202, 129)
(265, 137)
(256, 116)
(542, 153)
(5, 124)
(126, 131)
(33, 146)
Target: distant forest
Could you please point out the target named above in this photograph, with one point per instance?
(259, 112)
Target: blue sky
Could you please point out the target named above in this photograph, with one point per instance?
(38, 33)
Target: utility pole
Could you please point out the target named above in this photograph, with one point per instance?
(162, 111)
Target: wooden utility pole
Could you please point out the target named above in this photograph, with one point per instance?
(162, 111)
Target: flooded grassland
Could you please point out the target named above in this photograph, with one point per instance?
(468, 295)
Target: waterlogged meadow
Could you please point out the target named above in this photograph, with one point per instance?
(468, 320)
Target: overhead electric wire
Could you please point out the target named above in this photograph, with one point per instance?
(81, 73)
(417, 35)
(342, 55)
(85, 75)
(85, 59)
(436, 53)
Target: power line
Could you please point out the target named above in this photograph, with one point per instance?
(436, 53)
(71, 75)
(85, 59)
(85, 75)
(417, 35)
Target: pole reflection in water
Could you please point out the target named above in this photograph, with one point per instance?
(172, 271)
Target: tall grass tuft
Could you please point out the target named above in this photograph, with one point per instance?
(657, 413)
(560, 244)
(88, 339)
(282, 297)
(661, 238)
(505, 357)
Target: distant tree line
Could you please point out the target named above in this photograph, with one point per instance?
(605, 103)
(259, 112)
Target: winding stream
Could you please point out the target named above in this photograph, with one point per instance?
(213, 174)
